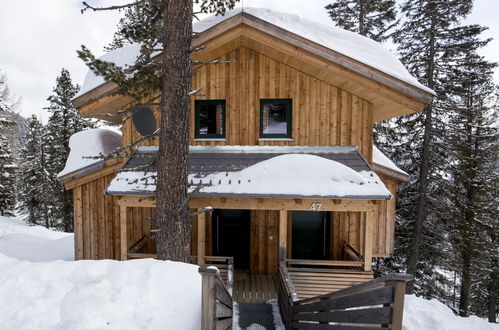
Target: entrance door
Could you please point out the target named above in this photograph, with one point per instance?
(310, 235)
(231, 236)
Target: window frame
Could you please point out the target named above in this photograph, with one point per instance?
(197, 106)
(289, 119)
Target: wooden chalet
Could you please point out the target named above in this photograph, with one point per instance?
(293, 93)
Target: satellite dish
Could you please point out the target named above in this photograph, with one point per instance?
(144, 121)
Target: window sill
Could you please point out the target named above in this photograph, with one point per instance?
(211, 139)
(276, 139)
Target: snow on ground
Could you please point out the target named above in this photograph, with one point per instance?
(420, 313)
(136, 294)
(34, 243)
(89, 143)
(105, 294)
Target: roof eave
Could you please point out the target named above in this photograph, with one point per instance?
(301, 42)
(398, 176)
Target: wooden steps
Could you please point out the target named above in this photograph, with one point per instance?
(253, 288)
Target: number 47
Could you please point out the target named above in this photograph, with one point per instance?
(315, 206)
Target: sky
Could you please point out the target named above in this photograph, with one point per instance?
(39, 38)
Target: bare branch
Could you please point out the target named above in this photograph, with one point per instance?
(211, 62)
(86, 6)
(203, 210)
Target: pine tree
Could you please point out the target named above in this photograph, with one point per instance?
(163, 25)
(7, 162)
(429, 41)
(370, 18)
(63, 122)
(34, 179)
(473, 138)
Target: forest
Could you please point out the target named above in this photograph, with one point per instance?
(446, 223)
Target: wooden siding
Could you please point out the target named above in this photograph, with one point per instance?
(264, 242)
(323, 115)
(97, 221)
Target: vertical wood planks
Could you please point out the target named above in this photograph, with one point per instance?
(123, 233)
(368, 240)
(78, 223)
(201, 238)
(283, 234)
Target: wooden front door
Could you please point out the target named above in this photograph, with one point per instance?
(231, 236)
(310, 235)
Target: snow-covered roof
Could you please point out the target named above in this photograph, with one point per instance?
(350, 44)
(380, 159)
(89, 143)
(265, 172)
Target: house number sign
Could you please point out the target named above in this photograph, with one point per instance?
(315, 206)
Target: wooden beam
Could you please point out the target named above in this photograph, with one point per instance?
(283, 234)
(298, 204)
(368, 240)
(201, 238)
(123, 234)
(137, 201)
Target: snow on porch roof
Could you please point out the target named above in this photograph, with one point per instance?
(350, 44)
(293, 172)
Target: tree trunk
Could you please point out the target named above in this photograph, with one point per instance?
(173, 238)
(464, 293)
(421, 213)
(494, 277)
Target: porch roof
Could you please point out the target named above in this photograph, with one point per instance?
(260, 171)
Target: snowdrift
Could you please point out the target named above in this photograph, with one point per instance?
(34, 243)
(425, 314)
(61, 295)
(136, 294)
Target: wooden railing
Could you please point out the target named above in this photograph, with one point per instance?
(216, 301)
(315, 277)
(378, 303)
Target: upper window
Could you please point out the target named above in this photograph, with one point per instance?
(275, 118)
(210, 119)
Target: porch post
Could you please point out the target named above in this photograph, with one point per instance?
(283, 234)
(368, 240)
(123, 234)
(201, 238)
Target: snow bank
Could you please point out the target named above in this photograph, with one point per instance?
(34, 243)
(138, 294)
(420, 314)
(92, 142)
(350, 44)
(380, 159)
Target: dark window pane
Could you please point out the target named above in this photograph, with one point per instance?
(211, 119)
(275, 119)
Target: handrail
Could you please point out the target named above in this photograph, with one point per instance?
(216, 301)
(332, 263)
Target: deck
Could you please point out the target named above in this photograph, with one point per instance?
(254, 289)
